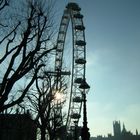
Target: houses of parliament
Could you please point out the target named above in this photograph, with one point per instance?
(119, 134)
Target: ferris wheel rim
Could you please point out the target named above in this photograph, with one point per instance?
(72, 13)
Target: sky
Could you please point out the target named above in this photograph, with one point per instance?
(113, 62)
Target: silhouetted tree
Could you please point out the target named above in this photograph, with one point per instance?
(45, 105)
(26, 30)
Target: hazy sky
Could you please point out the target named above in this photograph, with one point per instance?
(113, 62)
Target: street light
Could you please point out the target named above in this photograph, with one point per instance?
(76, 131)
(85, 130)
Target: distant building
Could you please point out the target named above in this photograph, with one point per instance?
(17, 127)
(116, 128)
(119, 134)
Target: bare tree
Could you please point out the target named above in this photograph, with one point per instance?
(45, 101)
(26, 33)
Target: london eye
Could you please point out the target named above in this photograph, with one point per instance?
(78, 67)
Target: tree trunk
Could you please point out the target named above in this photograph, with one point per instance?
(43, 133)
(51, 135)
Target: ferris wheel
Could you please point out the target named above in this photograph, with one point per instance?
(78, 67)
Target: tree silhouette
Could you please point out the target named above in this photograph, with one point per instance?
(26, 30)
(45, 105)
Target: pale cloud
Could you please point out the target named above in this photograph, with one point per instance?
(130, 116)
(100, 121)
(101, 117)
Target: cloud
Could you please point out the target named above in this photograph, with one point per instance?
(130, 116)
(101, 117)
(100, 120)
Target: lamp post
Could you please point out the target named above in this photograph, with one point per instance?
(85, 130)
(75, 134)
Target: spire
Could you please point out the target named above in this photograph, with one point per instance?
(124, 129)
(137, 132)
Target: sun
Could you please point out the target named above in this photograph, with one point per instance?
(58, 96)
